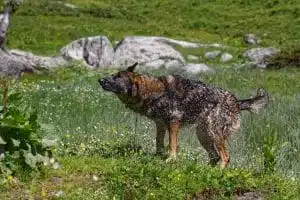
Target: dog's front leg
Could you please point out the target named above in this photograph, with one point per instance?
(160, 137)
(173, 140)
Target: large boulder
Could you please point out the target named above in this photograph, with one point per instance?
(258, 57)
(149, 52)
(146, 50)
(97, 52)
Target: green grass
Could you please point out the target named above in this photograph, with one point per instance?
(98, 136)
(147, 177)
(45, 26)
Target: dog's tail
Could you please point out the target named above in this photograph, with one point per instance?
(256, 103)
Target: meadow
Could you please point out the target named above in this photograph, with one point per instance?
(106, 151)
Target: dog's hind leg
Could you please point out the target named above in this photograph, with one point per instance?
(220, 145)
(207, 140)
(160, 136)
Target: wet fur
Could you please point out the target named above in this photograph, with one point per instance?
(173, 101)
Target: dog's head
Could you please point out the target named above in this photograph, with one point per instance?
(119, 83)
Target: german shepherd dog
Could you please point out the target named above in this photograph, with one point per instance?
(173, 101)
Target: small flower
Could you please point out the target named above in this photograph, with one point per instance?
(95, 178)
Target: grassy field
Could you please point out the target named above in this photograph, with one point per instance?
(107, 152)
(45, 26)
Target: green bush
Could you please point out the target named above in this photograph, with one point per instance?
(20, 140)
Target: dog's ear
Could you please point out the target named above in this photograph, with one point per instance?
(132, 67)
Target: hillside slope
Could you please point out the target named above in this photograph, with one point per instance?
(45, 26)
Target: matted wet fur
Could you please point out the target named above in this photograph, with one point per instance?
(173, 101)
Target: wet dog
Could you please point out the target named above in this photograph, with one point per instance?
(173, 101)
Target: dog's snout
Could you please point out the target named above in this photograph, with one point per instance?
(101, 81)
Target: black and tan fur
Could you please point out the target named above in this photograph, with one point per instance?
(173, 101)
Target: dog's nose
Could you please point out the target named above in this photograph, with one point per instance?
(101, 81)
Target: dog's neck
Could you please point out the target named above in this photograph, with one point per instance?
(144, 90)
(146, 86)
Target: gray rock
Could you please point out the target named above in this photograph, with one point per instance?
(45, 62)
(155, 64)
(193, 68)
(172, 65)
(251, 39)
(13, 66)
(225, 57)
(97, 52)
(212, 54)
(147, 50)
(192, 57)
(258, 57)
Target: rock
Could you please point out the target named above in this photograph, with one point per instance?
(192, 68)
(56, 194)
(40, 61)
(97, 52)
(225, 57)
(147, 50)
(172, 65)
(155, 64)
(251, 39)
(258, 57)
(14, 66)
(212, 54)
(56, 165)
(68, 5)
(192, 57)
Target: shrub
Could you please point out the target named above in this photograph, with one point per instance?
(21, 144)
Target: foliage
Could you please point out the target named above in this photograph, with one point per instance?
(21, 140)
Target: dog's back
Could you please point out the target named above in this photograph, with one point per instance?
(189, 101)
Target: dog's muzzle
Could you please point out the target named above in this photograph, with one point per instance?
(104, 84)
(102, 81)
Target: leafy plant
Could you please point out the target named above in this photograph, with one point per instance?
(270, 149)
(20, 140)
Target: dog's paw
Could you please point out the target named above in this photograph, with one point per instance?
(171, 158)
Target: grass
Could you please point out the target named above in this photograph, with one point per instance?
(136, 177)
(45, 26)
(98, 137)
